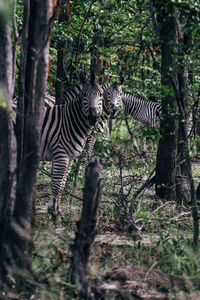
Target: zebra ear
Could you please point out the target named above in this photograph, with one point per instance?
(82, 77)
(104, 78)
(93, 77)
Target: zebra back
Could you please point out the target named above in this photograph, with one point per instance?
(142, 110)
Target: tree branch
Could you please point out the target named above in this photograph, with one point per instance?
(16, 37)
(80, 31)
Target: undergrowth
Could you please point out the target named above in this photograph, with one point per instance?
(166, 244)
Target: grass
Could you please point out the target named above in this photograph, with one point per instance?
(166, 246)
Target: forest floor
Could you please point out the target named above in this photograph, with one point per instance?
(162, 264)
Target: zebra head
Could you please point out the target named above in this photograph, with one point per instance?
(113, 98)
(91, 99)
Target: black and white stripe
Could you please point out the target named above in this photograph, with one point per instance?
(112, 99)
(65, 130)
(112, 104)
(142, 110)
(70, 94)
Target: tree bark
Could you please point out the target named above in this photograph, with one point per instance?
(173, 169)
(166, 167)
(21, 83)
(172, 178)
(34, 90)
(7, 150)
(7, 191)
(86, 230)
(16, 238)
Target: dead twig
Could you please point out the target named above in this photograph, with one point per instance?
(183, 214)
(162, 206)
(149, 271)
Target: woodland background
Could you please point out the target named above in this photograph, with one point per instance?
(150, 175)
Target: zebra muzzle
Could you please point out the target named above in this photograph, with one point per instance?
(114, 113)
(93, 116)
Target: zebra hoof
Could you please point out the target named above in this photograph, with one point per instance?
(53, 212)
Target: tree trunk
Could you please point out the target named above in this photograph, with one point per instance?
(7, 150)
(62, 56)
(16, 237)
(86, 230)
(171, 169)
(7, 191)
(166, 167)
(21, 83)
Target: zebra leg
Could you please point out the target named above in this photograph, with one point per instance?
(86, 155)
(89, 148)
(67, 173)
(59, 173)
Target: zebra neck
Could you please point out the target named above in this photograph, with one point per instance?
(73, 111)
(131, 101)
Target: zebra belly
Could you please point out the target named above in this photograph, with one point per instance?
(74, 151)
(47, 155)
(73, 147)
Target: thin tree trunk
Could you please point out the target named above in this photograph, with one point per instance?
(7, 191)
(186, 165)
(21, 83)
(7, 151)
(86, 230)
(62, 56)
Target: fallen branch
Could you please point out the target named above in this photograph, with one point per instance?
(149, 271)
(183, 214)
(162, 206)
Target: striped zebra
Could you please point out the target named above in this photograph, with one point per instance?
(142, 110)
(112, 104)
(112, 99)
(65, 129)
(112, 96)
(70, 94)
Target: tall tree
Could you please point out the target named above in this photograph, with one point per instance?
(173, 170)
(63, 49)
(17, 219)
(7, 140)
(170, 157)
(167, 149)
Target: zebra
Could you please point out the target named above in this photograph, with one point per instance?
(70, 94)
(112, 98)
(65, 129)
(142, 110)
(112, 104)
